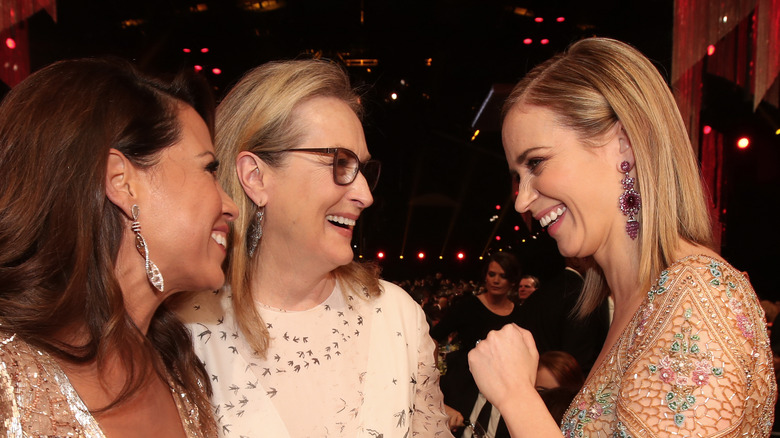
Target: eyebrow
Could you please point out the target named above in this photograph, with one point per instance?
(203, 154)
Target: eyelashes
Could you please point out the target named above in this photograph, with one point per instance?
(533, 164)
(212, 167)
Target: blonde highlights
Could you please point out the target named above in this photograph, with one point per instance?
(259, 115)
(590, 87)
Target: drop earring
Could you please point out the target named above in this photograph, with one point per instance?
(630, 201)
(257, 231)
(152, 272)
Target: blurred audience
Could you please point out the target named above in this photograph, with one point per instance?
(471, 318)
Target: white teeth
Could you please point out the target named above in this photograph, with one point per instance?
(219, 238)
(341, 220)
(551, 216)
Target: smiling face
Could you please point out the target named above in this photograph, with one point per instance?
(569, 187)
(308, 217)
(185, 216)
(496, 282)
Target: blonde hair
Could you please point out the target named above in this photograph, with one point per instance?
(258, 115)
(594, 84)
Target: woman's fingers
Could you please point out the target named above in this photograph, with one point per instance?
(504, 362)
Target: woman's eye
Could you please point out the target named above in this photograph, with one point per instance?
(533, 163)
(212, 167)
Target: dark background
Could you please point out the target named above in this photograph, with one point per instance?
(440, 188)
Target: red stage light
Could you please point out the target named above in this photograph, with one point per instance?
(198, 67)
(498, 207)
(204, 50)
(538, 19)
(707, 129)
(216, 71)
(527, 41)
(420, 255)
(544, 42)
(517, 227)
(10, 43)
(743, 143)
(498, 237)
(560, 19)
(186, 50)
(461, 256)
(380, 255)
(710, 50)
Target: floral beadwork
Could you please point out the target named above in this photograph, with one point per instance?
(685, 367)
(700, 334)
(744, 323)
(598, 404)
(620, 431)
(648, 310)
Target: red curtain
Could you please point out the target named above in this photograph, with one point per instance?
(14, 47)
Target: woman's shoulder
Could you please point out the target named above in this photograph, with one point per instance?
(36, 395)
(391, 292)
(700, 286)
(14, 350)
(705, 271)
(18, 355)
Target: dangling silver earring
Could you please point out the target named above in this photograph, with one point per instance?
(152, 272)
(257, 231)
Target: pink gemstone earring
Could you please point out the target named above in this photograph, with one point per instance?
(630, 201)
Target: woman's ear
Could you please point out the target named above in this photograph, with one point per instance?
(253, 176)
(120, 181)
(625, 150)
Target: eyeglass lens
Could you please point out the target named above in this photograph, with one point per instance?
(346, 166)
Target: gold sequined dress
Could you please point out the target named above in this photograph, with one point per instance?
(693, 362)
(36, 398)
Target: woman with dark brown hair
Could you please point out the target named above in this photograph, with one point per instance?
(558, 369)
(109, 205)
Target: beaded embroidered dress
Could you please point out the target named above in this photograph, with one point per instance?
(694, 361)
(36, 398)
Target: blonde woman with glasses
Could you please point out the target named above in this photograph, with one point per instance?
(306, 342)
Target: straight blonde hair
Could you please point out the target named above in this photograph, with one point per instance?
(596, 83)
(258, 115)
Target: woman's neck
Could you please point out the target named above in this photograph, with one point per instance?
(289, 286)
(620, 265)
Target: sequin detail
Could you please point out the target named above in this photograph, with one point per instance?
(694, 357)
(37, 399)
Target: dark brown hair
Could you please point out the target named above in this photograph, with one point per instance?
(60, 233)
(508, 262)
(564, 367)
